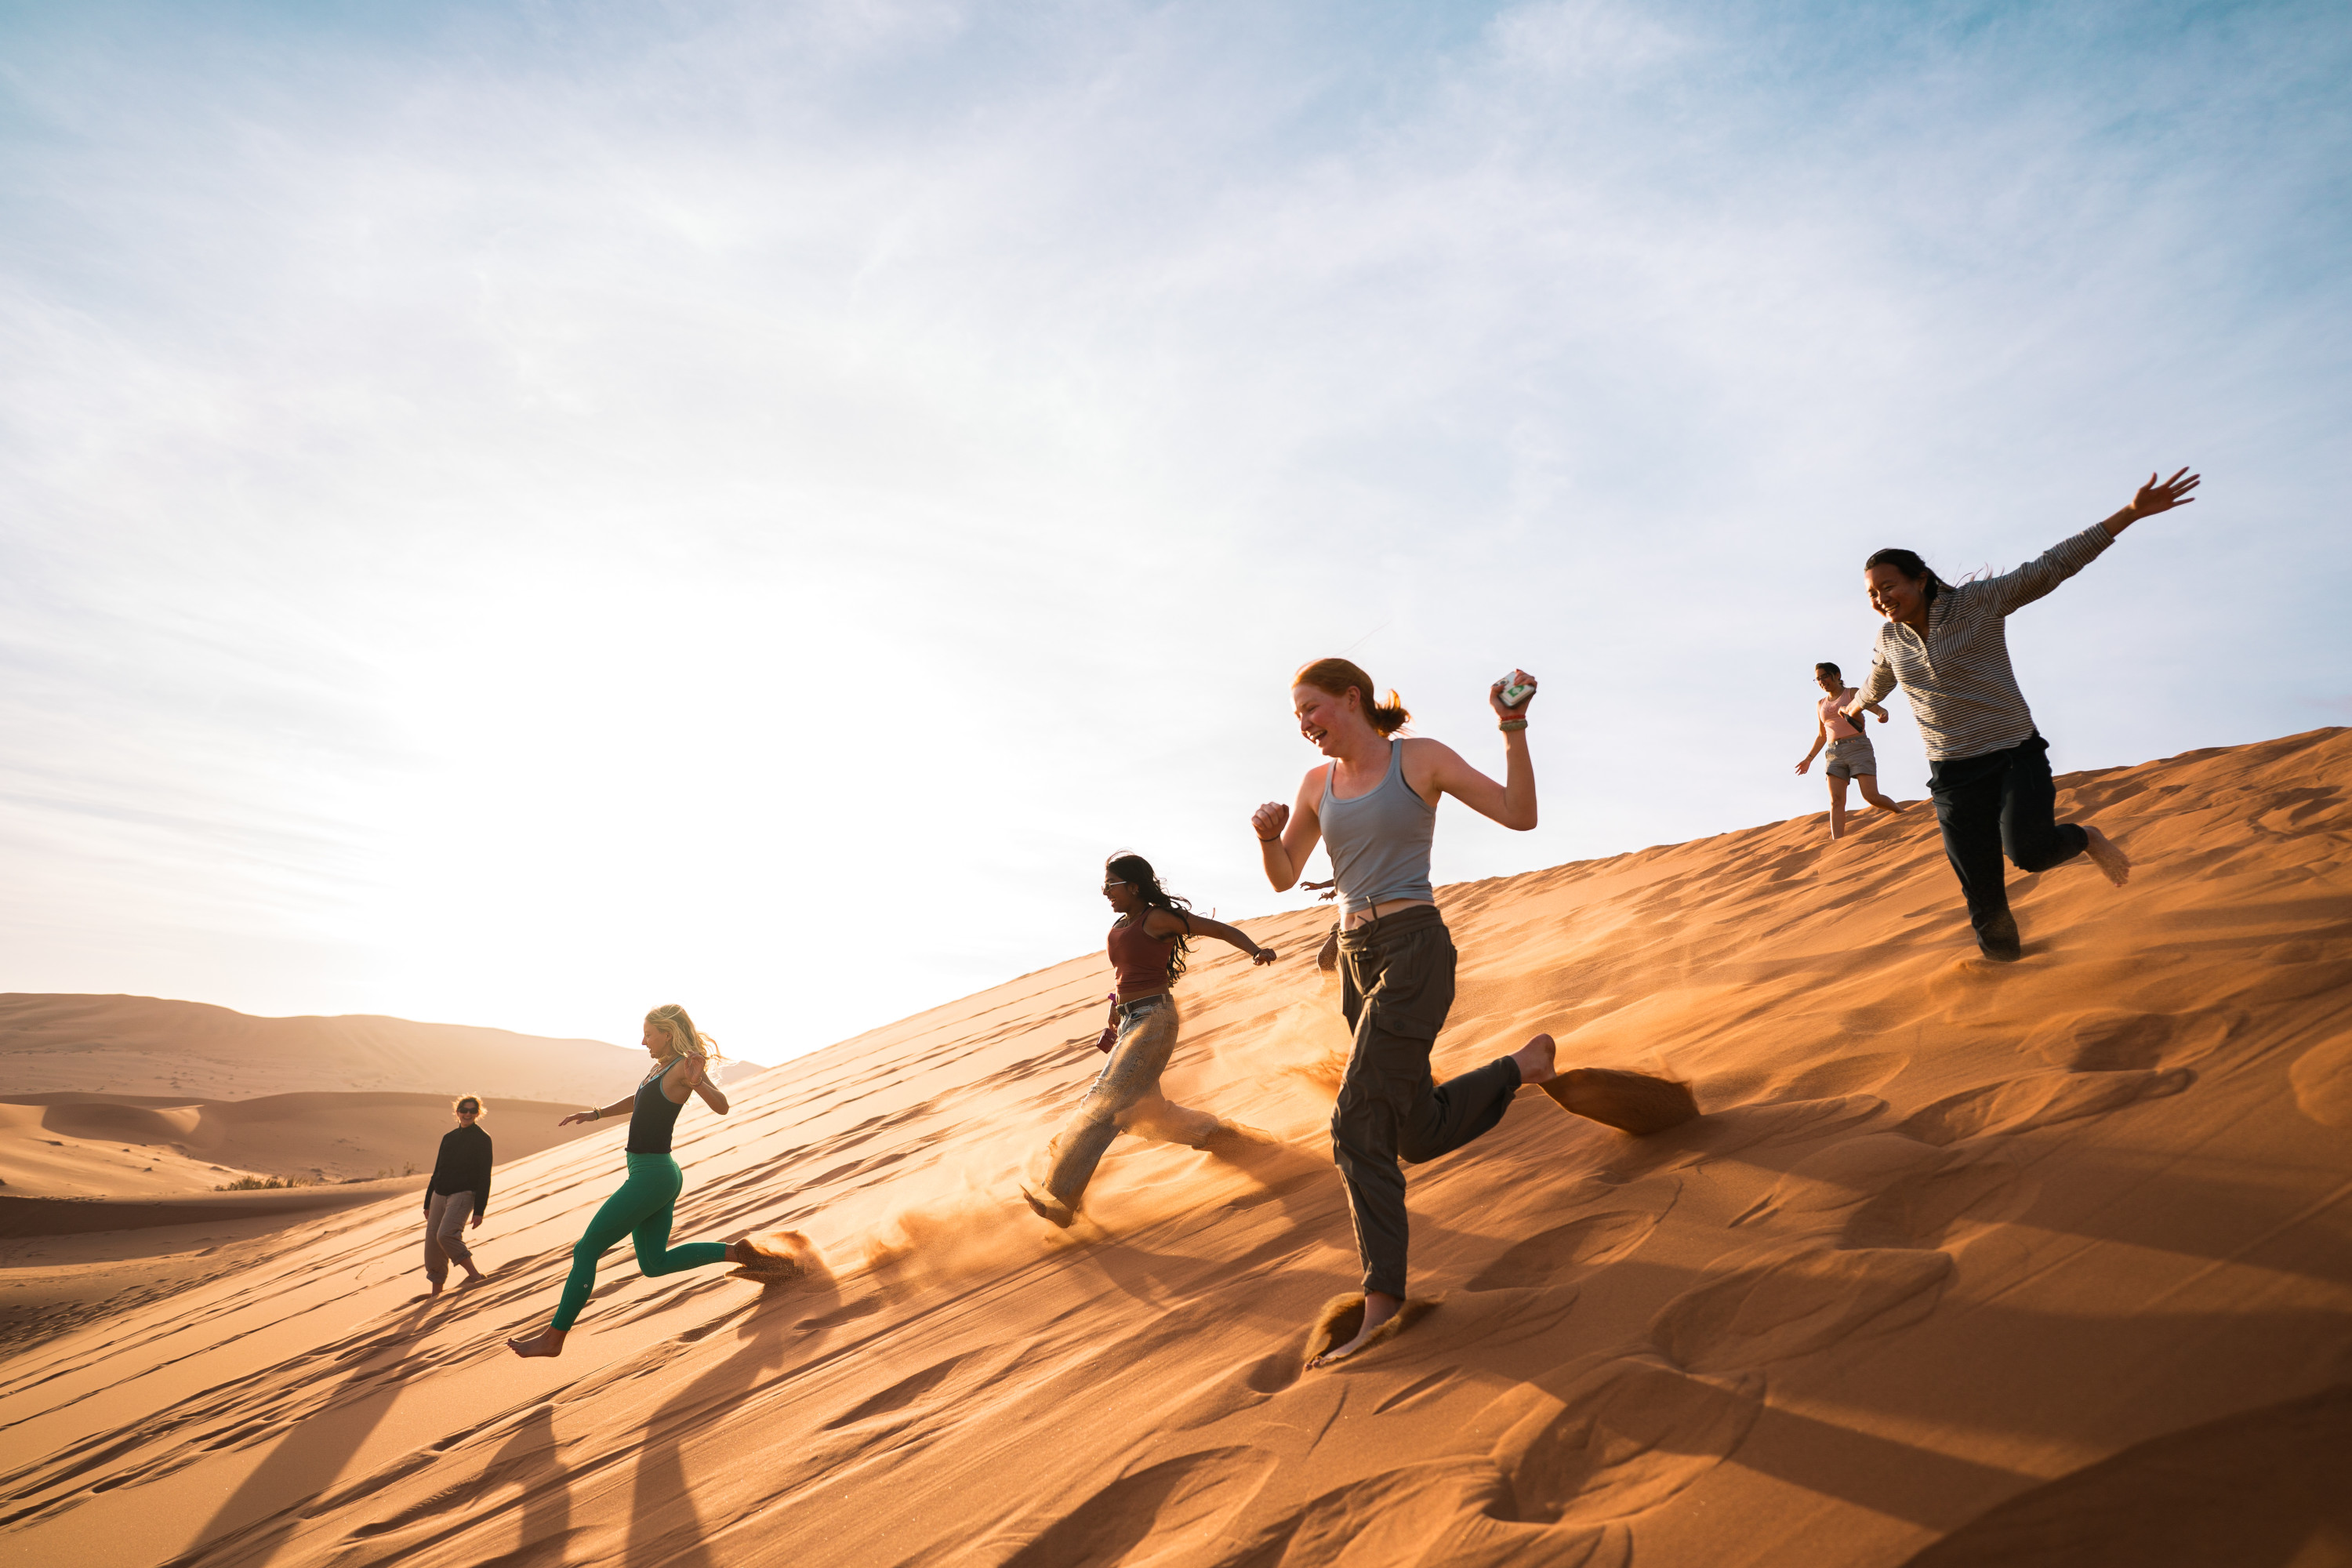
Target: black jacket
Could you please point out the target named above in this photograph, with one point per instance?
(463, 1166)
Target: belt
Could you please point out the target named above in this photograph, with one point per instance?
(1140, 1006)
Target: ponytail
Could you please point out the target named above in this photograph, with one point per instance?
(1336, 676)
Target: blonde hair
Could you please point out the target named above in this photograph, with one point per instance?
(481, 1106)
(1337, 675)
(684, 1039)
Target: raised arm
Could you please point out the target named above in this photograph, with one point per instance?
(692, 1075)
(1286, 835)
(2015, 590)
(1511, 803)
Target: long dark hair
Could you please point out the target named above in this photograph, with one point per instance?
(1130, 866)
(1907, 562)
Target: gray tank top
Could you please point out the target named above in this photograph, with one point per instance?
(1380, 841)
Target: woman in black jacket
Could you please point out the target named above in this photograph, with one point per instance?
(460, 1187)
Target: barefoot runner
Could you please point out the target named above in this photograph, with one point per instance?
(1988, 766)
(1851, 754)
(1146, 953)
(641, 1209)
(1375, 803)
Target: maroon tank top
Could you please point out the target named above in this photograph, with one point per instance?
(1139, 959)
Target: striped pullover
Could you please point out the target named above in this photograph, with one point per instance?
(1962, 692)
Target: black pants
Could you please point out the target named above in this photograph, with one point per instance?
(1396, 982)
(2002, 800)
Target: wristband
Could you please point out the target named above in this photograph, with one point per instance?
(1512, 724)
(1276, 839)
(596, 1113)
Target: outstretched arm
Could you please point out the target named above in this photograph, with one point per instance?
(600, 1113)
(1286, 835)
(1161, 922)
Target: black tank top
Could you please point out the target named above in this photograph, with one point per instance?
(653, 1116)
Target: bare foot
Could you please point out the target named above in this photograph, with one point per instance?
(549, 1342)
(1378, 1307)
(2108, 856)
(1050, 1209)
(749, 1254)
(1535, 1059)
(473, 1277)
(436, 1289)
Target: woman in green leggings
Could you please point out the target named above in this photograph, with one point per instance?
(641, 1209)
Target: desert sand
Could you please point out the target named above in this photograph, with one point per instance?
(155, 1048)
(1964, 1265)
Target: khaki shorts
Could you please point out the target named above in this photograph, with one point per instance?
(1851, 758)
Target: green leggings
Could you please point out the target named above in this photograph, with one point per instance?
(641, 1211)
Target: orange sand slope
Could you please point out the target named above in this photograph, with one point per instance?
(147, 1045)
(2046, 1264)
(74, 1146)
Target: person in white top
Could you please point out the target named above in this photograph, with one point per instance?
(1851, 756)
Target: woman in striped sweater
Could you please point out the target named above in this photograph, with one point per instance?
(1988, 766)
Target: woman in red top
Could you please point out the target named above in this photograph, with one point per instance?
(1148, 943)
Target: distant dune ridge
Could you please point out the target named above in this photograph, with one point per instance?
(2034, 1265)
(147, 1046)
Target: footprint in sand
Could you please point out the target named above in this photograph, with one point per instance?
(2042, 1100)
(1585, 1242)
(2107, 1040)
(1624, 1438)
(2322, 1078)
(1180, 1505)
(1887, 1191)
(1779, 1308)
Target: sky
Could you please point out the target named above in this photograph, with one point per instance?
(514, 514)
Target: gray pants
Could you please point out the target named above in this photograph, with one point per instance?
(1396, 983)
(446, 1215)
(1124, 1098)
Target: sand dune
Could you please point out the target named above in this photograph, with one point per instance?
(2044, 1264)
(146, 1045)
(77, 1145)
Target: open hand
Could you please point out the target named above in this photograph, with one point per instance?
(1803, 765)
(577, 1116)
(2153, 497)
(1268, 820)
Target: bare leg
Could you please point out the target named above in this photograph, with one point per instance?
(1869, 783)
(1837, 807)
(1378, 1307)
(548, 1342)
(2107, 856)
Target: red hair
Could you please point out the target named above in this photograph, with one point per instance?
(1337, 676)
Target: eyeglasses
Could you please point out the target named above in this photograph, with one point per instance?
(1108, 885)
(470, 1110)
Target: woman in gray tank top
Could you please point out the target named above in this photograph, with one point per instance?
(1375, 803)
